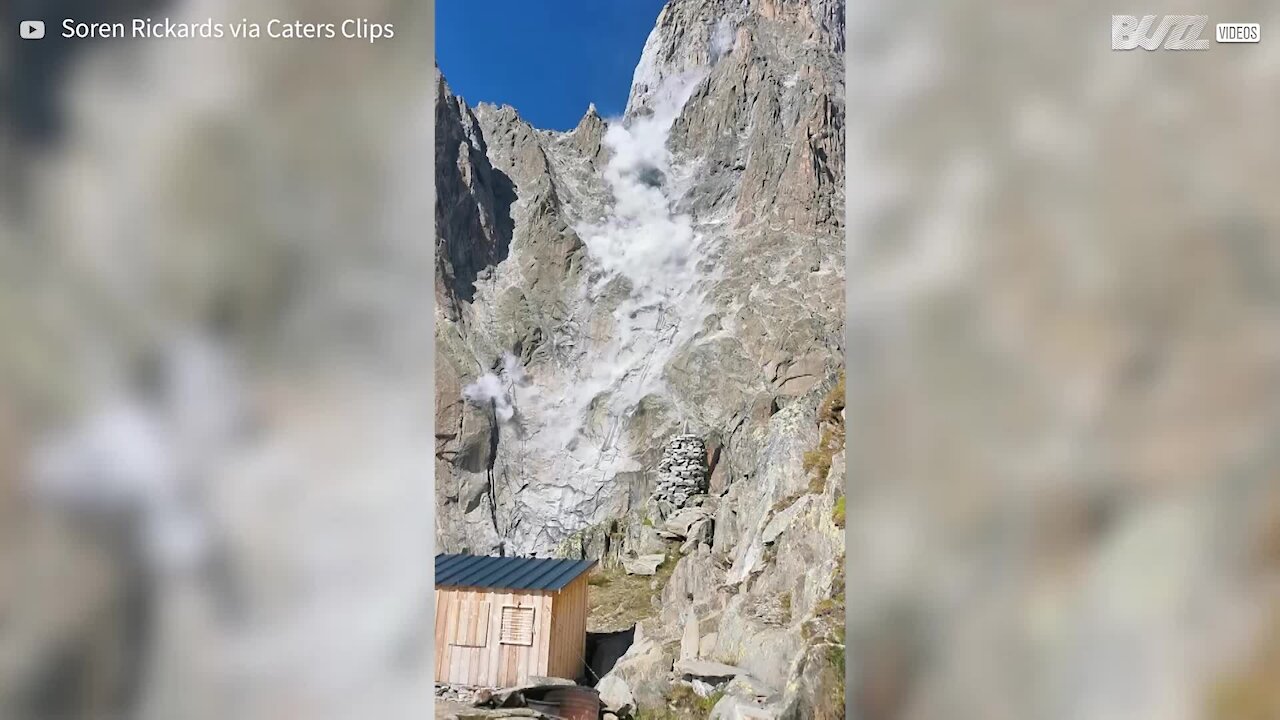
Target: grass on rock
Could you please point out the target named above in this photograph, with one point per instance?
(618, 600)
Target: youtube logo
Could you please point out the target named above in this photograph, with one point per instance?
(31, 29)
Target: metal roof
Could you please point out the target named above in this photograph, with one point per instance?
(512, 573)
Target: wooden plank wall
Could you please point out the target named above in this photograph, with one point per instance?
(569, 630)
(494, 664)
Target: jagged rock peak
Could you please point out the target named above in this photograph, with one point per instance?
(473, 226)
(588, 136)
(498, 113)
(453, 109)
(591, 121)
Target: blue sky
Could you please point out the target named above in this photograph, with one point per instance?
(547, 58)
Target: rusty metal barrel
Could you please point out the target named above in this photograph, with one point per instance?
(571, 702)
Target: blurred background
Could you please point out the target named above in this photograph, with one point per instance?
(215, 395)
(1064, 371)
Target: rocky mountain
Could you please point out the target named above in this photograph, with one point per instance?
(677, 272)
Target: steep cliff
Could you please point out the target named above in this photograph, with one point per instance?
(680, 265)
(676, 270)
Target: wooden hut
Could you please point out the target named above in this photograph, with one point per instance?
(501, 620)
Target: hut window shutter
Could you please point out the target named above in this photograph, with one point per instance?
(517, 626)
(472, 629)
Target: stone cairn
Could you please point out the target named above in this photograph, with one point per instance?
(682, 472)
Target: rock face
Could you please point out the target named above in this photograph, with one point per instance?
(649, 275)
(660, 319)
(473, 204)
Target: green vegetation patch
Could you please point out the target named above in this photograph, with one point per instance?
(618, 600)
(817, 462)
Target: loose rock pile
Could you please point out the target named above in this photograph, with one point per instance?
(682, 472)
(457, 693)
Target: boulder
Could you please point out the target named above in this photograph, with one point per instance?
(815, 680)
(643, 565)
(699, 534)
(648, 541)
(689, 639)
(726, 529)
(783, 519)
(749, 687)
(766, 651)
(646, 669)
(681, 524)
(735, 708)
(693, 581)
(708, 669)
(707, 644)
(702, 689)
(615, 694)
(746, 697)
